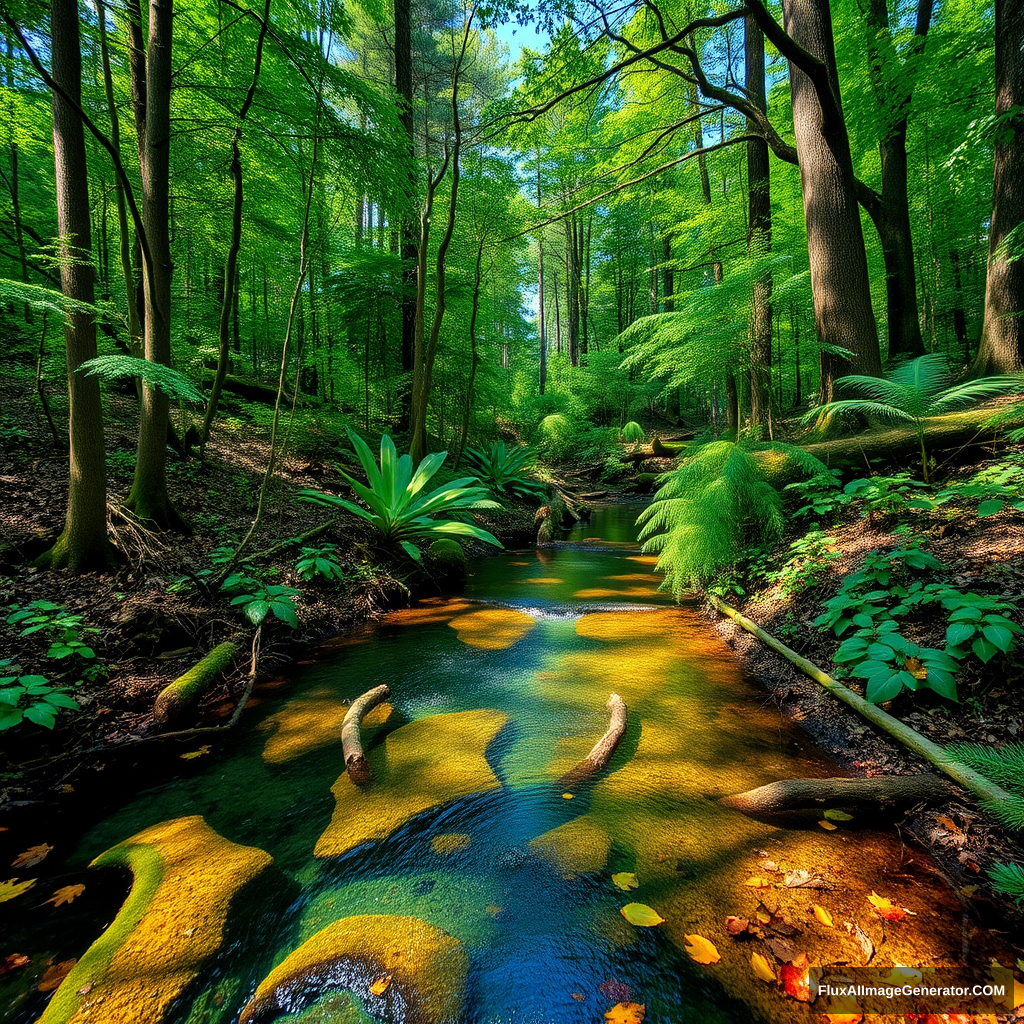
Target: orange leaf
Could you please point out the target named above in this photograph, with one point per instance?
(821, 915)
(762, 969)
(32, 856)
(827, 825)
(53, 976)
(65, 895)
(626, 1013)
(380, 986)
(736, 925)
(701, 950)
(579, 997)
(886, 909)
(12, 962)
(800, 979)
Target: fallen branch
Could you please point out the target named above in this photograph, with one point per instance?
(912, 740)
(351, 735)
(602, 750)
(174, 700)
(797, 794)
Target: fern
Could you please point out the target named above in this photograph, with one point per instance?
(713, 506)
(1008, 879)
(171, 382)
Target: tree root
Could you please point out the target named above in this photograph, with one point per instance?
(351, 735)
(600, 754)
(872, 794)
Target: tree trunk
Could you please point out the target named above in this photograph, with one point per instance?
(19, 234)
(540, 317)
(83, 544)
(403, 86)
(759, 234)
(1002, 336)
(843, 315)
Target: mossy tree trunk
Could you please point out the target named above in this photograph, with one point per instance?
(83, 545)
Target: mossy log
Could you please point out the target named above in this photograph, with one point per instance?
(600, 754)
(351, 733)
(872, 794)
(186, 690)
(944, 435)
(253, 390)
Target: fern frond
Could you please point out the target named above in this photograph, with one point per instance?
(173, 383)
(1009, 880)
(1003, 765)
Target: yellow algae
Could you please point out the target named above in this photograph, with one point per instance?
(546, 581)
(450, 842)
(644, 559)
(579, 847)
(493, 629)
(185, 876)
(424, 764)
(590, 593)
(311, 722)
(427, 967)
(642, 577)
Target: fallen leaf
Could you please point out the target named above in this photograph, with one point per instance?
(758, 882)
(768, 865)
(196, 753)
(12, 887)
(65, 895)
(493, 909)
(801, 879)
(784, 950)
(947, 823)
(625, 880)
(641, 915)
(12, 962)
(862, 939)
(1013, 989)
(736, 925)
(380, 986)
(567, 796)
(828, 826)
(579, 997)
(799, 979)
(844, 1010)
(781, 926)
(32, 856)
(53, 976)
(762, 969)
(901, 975)
(821, 915)
(701, 950)
(835, 815)
(626, 1013)
(886, 909)
(763, 917)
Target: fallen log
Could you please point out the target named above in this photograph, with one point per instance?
(185, 691)
(351, 733)
(592, 495)
(600, 754)
(800, 794)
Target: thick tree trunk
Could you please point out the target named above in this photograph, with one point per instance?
(840, 288)
(83, 544)
(543, 378)
(1002, 337)
(403, 86)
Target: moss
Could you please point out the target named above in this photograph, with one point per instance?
(186, 690)
(447, 561)
(579, 847)
(493, 628)
(427, 968)
(424, 764)
(450, 842)
(185, 876)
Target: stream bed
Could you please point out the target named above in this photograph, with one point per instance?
(464, 884)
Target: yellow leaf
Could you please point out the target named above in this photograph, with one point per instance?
(567, 796)
(53, 976)
(380, 986)
(625, 880)
(196, 753)
(641, 915)
(65, 895)
(821, 915)
(758, 882)
(762, 969)
(701, 950)
(626, 1013)
(828, 826)
(834, 815)
(12, 887)
(887, 909)
(32, 856)
(763, 917)
(1013, 990)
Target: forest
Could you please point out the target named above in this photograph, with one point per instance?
(511, 511)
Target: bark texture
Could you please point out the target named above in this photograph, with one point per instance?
(870, 794)
(351, 733)
(601, 753)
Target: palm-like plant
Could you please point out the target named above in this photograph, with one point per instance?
(914, 391)
(504, 470)
(396, 505)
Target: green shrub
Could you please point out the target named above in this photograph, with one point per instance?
(29, 698)
(557, 437)
(632, 433)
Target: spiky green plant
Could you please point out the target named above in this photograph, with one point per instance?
(914, 391)
(396, 506)
(713, 506)
(504, 470)
(632, 432)
(1004, 766)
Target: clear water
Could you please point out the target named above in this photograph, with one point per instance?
(536, 913)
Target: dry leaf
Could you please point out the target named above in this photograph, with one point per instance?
(886, 909)
(579, 997)
(32, 856)
(53, 976)
(196, 753)
(625, 880)
(862, 939)
(947, 823)
(12, 887)
(763, 917)
(768, 865)
(380, 986)
(567, 796)
(641, 915)
(626, 1013)
(758, 882)
(65, 895)
(736, 925)
(901, 975)
(821, 915)
(784, 950)
(1014, 990)
(12, 962)
(799, 979)
(801, 879)
(701, 950)
(844, 1010)
(762, 969)
(828, 826)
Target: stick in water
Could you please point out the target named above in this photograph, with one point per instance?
(602, 750)
(351, 736)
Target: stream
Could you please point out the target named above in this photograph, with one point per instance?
(465, 842)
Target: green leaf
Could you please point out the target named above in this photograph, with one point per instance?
(173, 383)
(990, 507)
(10, 717)
(984, 649)
(958, 633)
(41, 714)
(884, 687)
(998, 636)
(256, 611)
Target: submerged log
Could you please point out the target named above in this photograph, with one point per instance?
(600, 754)
(801, 794)
(186, 690)
(351, 733)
